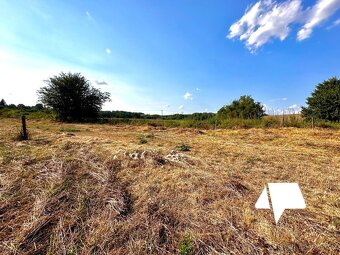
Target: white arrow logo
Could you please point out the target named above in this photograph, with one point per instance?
(283, 196)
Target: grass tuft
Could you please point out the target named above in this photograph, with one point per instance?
(185, 246)
(142, 140)
(184, 147)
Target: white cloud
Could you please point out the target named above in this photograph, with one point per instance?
(334, 24)
(279, 99)
(294, 109)
(187, 96)
(4, 56)
(40, 12)
(181, 107)
(166, 106)
(337, 22)
(88, 14)
(108, 51)
(318, 13)
(266, 20)
(269, 19)
(247, 22)
(101, 83)
(281, 111)
(198, 89)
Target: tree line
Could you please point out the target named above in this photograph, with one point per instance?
(72, 98)
(140, 115)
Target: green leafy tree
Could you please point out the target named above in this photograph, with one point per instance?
(38, 107)
(324, 103)
(72, 97)
(21, 106)
(3, 103)
(244, 108)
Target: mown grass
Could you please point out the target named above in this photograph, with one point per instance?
(100, 192)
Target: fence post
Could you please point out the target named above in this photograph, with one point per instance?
(283, 118)
(24, 129)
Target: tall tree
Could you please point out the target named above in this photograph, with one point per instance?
(3, 103)
(72, 97)
(324, 103)
(245, 108)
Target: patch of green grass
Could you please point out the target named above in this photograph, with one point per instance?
(51, 244)
(184, 147)
(336, 222)
(185, 246)
(150, 136)
(69, 130)
(142, 140)
(252, 160)
(72, 250)
(86, 201)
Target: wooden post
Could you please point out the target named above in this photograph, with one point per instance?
(24, 129)
(283, 118)
(312, 122)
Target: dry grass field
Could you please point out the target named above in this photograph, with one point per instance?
(103, 189)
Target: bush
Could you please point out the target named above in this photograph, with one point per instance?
(327, 124)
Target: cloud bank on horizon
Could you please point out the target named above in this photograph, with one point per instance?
(268, 19)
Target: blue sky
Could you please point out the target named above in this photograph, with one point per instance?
(176, 56)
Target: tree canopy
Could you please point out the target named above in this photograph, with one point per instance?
(324, 103)
(244, 108)
(72, 97)
(3, 103)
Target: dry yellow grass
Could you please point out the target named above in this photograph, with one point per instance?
(94, 189)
